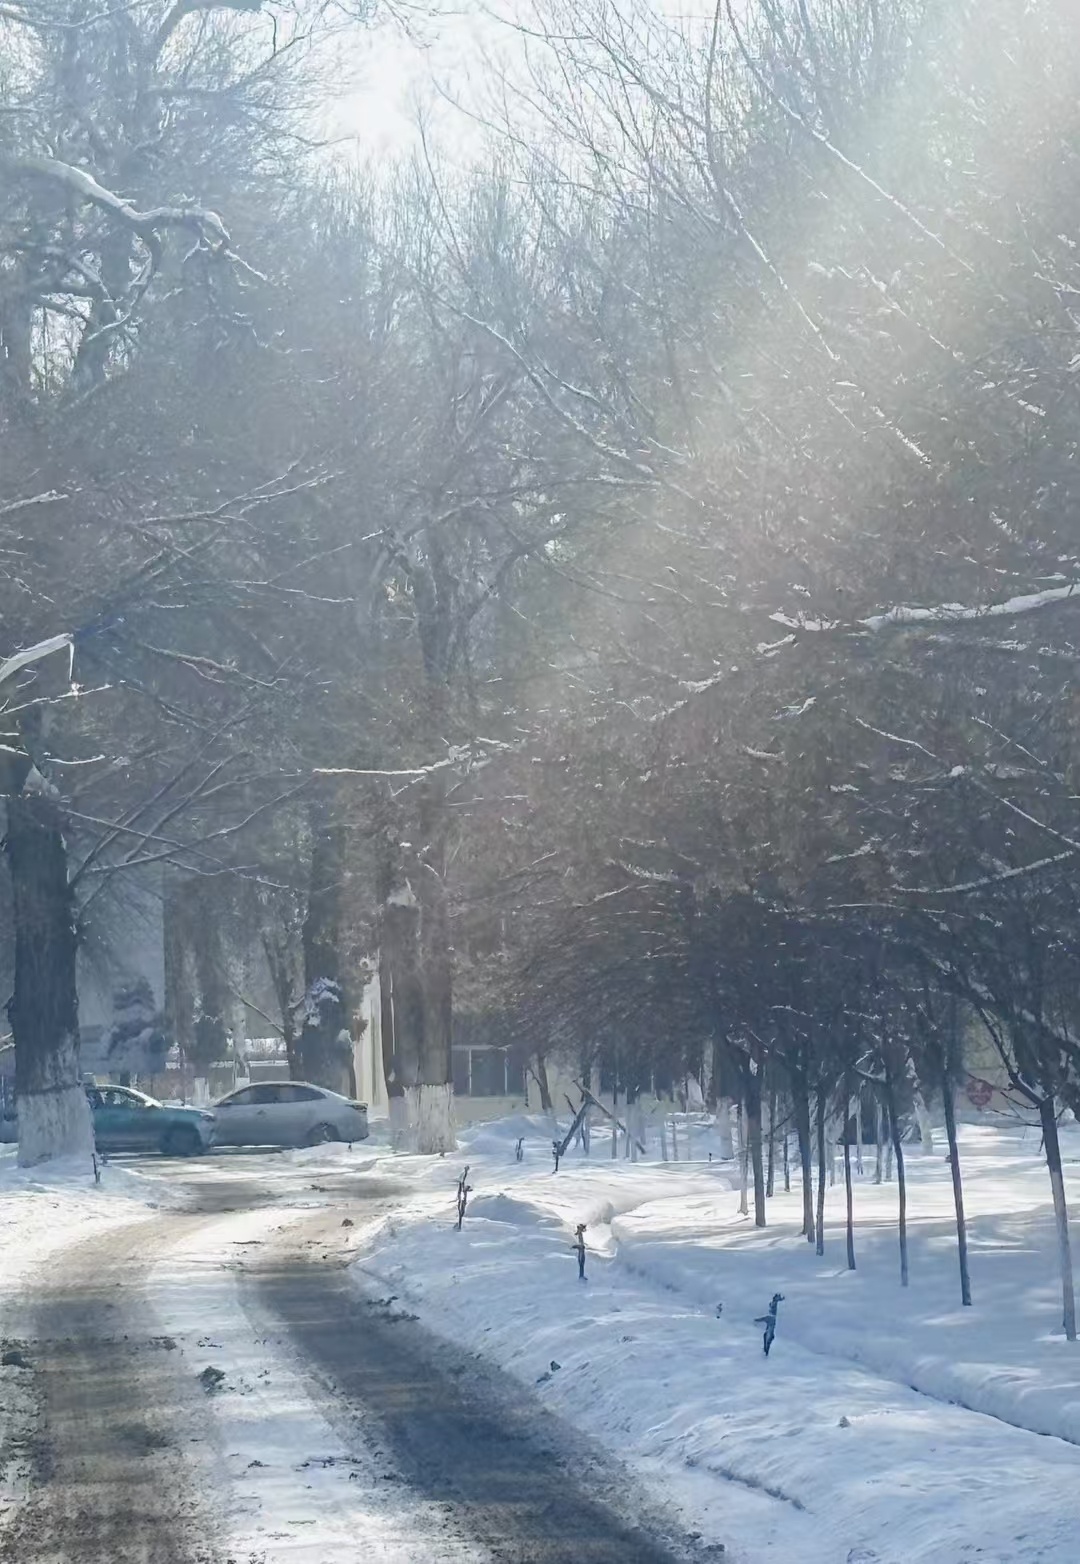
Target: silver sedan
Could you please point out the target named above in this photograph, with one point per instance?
(287, 1113)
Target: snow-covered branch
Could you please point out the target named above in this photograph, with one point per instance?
(79, 182)
(959, 613)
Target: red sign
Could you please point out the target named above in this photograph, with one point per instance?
(979, 1091)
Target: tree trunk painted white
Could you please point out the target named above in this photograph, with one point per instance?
(431, 1118)
(889, 1158)
(56, 1123)
(926, 1128)
(674, 1139)
(689, 1141)
(744, 1165)
(879, 1148)
(399, 1123)
(830, 1130)
(614, 1123)
(54, 1116)
(1052, 1151)
(723, 1129)
(200, 1091)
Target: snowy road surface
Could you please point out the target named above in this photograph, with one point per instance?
(204, 1385)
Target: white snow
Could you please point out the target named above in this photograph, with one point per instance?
(958, 613)
(887, 1426)
(296, 1488)
(56, 1203)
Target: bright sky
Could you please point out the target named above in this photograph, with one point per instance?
(391, 72)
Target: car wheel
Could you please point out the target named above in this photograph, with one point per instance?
(182, 1141)
(322, 1134)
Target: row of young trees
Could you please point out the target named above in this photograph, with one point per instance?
(632, 581)
(797, 809)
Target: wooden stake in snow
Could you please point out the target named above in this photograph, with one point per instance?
(591, 1100)
(769, 1321)
(580, 1247)
(559, 1147)
(464, 1190)
(519, 1150)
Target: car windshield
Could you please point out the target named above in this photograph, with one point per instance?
(126, 1097)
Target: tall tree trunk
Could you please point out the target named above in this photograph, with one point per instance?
(540, 1072)
(821, 1172)
(787, 1164)
(432, 1109)
(1052, 1152)
(753, 1129)
(957, 1185)
(858, 1131)
(395, 1090)
(326, 1042)
(770, 1172)
(901, 1180)
(848, 1194)
(210, 1043)
(723, 1129)
(879, 1149)
(403, 1007)
(802, 1130)
(744, 1161)
(179, 998)
(54, 1115)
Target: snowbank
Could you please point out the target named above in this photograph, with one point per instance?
(45, 1207)
(887, 1426)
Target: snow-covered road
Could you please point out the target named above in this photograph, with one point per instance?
(202, 1384)
(354, 1416)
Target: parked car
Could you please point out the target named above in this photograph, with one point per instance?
(127, 1120)
(287, 1113)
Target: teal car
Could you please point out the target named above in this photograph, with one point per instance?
(127, 1120)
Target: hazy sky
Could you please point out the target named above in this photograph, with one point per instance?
(390, 72)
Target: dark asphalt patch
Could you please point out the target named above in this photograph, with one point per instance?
(497, 1467)
(115, 1426)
